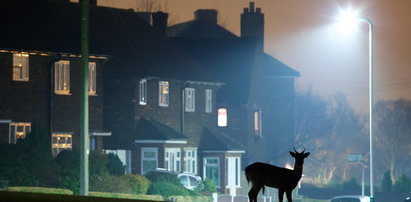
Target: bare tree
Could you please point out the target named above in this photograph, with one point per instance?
(154, 6)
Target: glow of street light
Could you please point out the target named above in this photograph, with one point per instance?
(347, 21)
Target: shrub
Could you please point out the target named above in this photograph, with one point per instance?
(163, 177)
(69, 170)
(209, 186)
(114, 165)
(350, 184)
(190, 198)
(403, 184)
(108, 183)
(386, 182)
(138, 184)
(167, 189)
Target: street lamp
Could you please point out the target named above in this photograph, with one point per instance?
(348, 19)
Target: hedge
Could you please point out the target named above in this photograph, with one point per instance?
(43, 190)
(127, 196)
(190, 198)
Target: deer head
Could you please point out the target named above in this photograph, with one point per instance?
(299, 158)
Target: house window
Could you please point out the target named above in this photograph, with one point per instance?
(143, 92)
(208, 101)
(163, 94)
(257, 123)
(60, 142)
(172, 159)
(212, 170)
(18, 131)
(222, 117)
(62, 77)
(148, 159)
(20, 67)
(190, 160)
(189, 99)
(92, 78)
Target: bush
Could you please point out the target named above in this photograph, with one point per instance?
(138, 184)
(386, 182)
(403, 184)
(350, 184)
(209, 186)
(163, 177)
(167, 189)
(108, 183)
(114, 165)
(190, 198)
(68, 162)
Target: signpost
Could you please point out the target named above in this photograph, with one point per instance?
(358, 158)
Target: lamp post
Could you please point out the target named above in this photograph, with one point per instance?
(350, 18)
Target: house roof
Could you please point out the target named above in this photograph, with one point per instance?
(229, 57)
(149, 129)
(137, 48)
(214, 140)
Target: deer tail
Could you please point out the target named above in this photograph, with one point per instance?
(246, 175)
(263, 189)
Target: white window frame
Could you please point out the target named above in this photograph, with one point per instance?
(15, 133)
(143, 91)
(222, 117)
(92, 78)
(190, 160)
(62, 77)
(208, 101)
(61, 141)
(145, 159)
(257, 123)
(164, 91)
(20, 67)
(212, 165)
(190, 99)
(172, 159)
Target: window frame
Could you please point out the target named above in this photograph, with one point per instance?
(92, 78)
(163, 92)
(176, 164)
(62, 67)
(143, 158)
(190, 160)
(21, 64)
(142, 91)
(208, 100)
(13, 132)
(222, 117)
(212, 165)
(189, 99)
(57, 147)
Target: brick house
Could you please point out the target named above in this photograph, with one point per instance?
(256, 104)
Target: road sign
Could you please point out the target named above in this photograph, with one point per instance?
(355, 158)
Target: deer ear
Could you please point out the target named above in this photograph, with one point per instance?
(306, 154)
(292, 154)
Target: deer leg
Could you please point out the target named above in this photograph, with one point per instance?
(253, 193)
(289, 199)
(280, 195)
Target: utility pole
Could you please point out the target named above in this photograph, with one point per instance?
(84, 175)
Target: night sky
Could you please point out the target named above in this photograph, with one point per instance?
(303, 35)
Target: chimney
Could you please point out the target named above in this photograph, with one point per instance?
(252, 26)
(206, 16)
(93, 2)
(160, 22)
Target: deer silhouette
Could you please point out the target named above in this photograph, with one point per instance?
(283, 179)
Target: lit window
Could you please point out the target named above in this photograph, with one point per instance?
(208, 101)
(92, 78)
(60, 142)
(212, 170)
(222, 117)
(163, 94)
(18, 131)
(257, 123)
(20, 67)
(189, 99)
(172, 159)
(62, 77)
(148, 159)
(190, 160)
(143, 91)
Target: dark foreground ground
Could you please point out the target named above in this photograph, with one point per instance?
(6, 196)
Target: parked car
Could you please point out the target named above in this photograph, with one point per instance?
(188, 180)
(351, 198)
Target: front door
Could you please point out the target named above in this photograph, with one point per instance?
(172, 159)
(233, 174)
